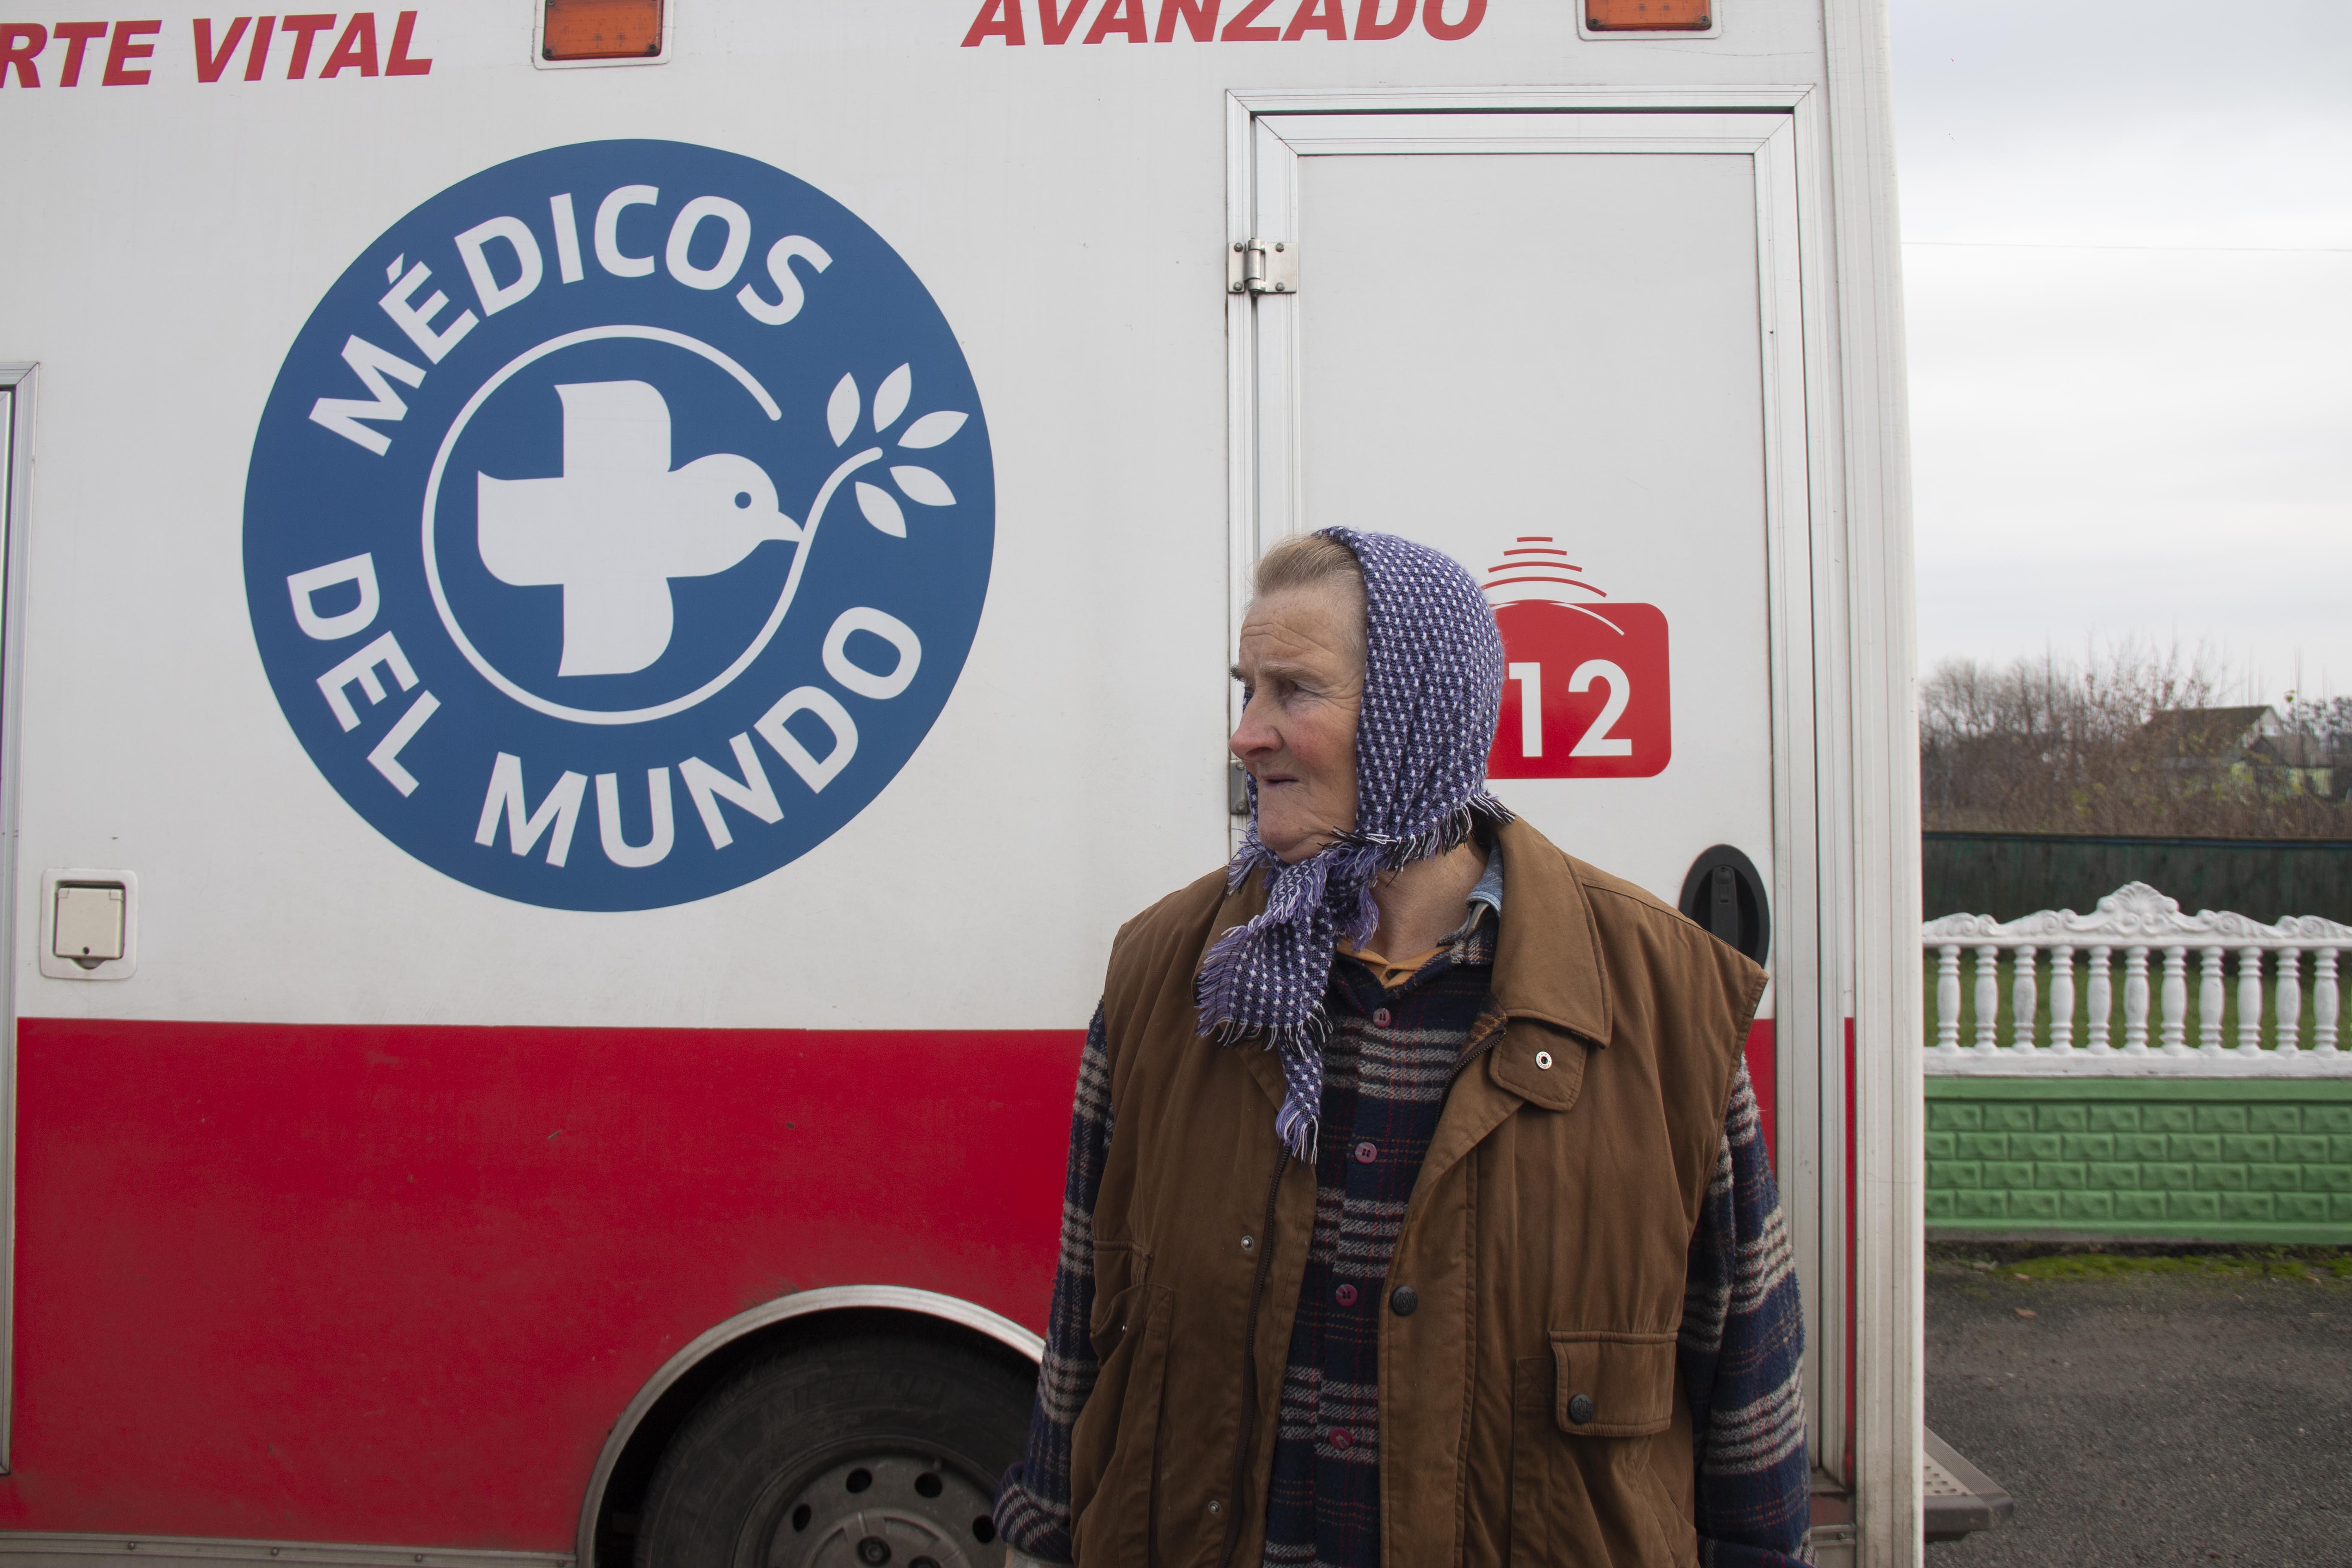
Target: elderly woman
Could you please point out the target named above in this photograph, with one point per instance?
(1416, 1210)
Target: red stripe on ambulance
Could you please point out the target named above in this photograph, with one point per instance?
(342, 1283)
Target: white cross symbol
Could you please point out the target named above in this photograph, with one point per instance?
(621, 523)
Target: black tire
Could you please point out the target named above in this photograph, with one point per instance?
(849, 1453)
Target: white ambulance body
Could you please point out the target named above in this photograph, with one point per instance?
(595, 648)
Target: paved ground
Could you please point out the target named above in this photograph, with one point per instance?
(2171, 1418)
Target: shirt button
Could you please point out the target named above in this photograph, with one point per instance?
(1344, 1295)
(1403, 1299)
(1580, 1410)
(1341, 1439)
(1367, 1152)
(1381, 1018)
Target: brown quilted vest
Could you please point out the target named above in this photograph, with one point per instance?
(1545, 1242)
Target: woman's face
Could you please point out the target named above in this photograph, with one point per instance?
(1301, 667)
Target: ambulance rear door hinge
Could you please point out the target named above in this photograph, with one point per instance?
(1262, 267)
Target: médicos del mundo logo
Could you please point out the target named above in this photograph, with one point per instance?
(618, 525)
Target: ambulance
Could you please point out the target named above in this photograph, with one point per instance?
(609, 602)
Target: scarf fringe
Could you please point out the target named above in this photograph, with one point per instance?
(1295, 1124)
(1308, 1035)
(1449, 832)
(1298, 1128)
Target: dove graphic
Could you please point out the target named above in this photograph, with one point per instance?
(620, 522)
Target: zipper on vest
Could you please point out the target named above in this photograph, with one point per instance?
(1249, 1366)
(1485, 1032)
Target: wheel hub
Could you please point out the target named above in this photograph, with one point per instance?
(884, 1511)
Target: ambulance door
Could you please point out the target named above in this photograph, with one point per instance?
(1568, 348)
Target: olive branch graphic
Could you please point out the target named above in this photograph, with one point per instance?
(918, 484)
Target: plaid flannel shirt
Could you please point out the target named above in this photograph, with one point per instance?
(1389, 1060)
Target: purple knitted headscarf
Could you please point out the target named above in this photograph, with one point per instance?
(1432, 688)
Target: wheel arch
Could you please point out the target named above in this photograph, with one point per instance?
(648, 1421)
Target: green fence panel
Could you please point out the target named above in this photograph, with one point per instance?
(2173, 1159)
(2012, 874)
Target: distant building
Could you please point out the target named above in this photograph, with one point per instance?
(2290, 764)
(2252, 748)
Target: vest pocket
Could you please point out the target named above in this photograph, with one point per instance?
(1614, 1385)
(1118, 1431)
(1583, 1492)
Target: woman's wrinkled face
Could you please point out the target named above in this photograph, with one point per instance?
(1301, 667)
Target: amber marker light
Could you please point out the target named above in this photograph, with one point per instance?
(601, 29)
(1644, 15)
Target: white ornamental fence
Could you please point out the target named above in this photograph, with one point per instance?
(2247, 980)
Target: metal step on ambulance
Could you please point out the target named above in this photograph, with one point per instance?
(1957, 1500)
(1960, 1498)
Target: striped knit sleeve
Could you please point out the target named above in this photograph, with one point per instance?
(1033, 1503)
(1743, 1339)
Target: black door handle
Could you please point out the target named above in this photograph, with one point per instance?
(1725, 894)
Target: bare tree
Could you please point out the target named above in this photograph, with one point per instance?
(2327, 721)
(2129, 740)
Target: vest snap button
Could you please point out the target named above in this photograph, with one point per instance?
(1580, 1410)
(1215, 1508)
(1403, 1300)
(1248, 1242)
(1543, 1060)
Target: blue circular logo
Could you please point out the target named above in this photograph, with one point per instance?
(619, 524)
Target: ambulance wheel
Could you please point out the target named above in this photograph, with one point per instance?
(851, 1453)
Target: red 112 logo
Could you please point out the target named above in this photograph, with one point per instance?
(1586, 695)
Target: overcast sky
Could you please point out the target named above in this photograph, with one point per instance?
(2150, 439)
